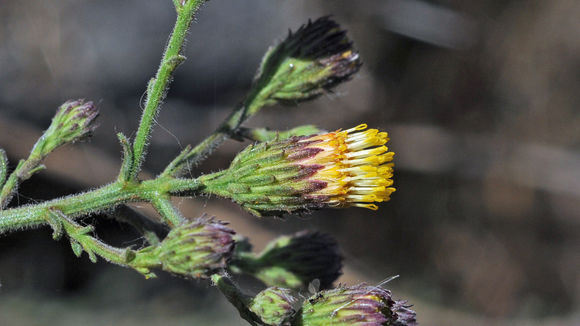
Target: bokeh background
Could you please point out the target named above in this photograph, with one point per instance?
(481, 99)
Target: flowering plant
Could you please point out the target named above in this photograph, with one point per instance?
(284, 172)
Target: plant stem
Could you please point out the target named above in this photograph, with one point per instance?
(95, 201)
(171, 59)
(24, 170)
(81, 241)
(235, 296)
(168, 212)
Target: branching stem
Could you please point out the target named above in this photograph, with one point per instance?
(96, 201)
(157, 90)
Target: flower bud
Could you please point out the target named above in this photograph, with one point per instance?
(197, 248)
(338, 169)
(274, 306)
(73, 121)
(356, 305)
(296, 260)
(310, 61)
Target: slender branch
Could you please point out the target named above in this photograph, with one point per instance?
(235, 296)
(81, 240)
(24, 170)
(157, 90)
(167, 210)
(99, 200)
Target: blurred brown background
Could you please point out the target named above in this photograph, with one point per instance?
(481, 100)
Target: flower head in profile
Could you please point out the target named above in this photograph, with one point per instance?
(197, 248)
(294, 261)
(309, 62)
(274, 306)
(74, 120)
(355, 305)
(338, 169)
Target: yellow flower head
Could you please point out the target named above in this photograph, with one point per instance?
(338, 169)
(353, 166)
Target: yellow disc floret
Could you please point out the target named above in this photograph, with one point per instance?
(355, 166)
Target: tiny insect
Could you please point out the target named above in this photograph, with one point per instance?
(314, 290)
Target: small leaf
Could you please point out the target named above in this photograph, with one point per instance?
(92, 255)
(76, 247)
(3, 167)
(55, 224)
(125, 172)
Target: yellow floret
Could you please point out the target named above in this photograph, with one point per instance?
(354, 166)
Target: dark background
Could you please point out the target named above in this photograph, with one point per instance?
(480, 98)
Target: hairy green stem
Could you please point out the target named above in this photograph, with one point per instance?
(235, 296)
(167, 210)
(24, 170)
(157, 90)
(82, 240)
(95, 201)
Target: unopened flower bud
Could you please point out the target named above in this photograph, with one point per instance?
(295, 261)
(74, 120)
(274, 306)
(197, 248)
(310, 61)
(352, 306)
(338, 169)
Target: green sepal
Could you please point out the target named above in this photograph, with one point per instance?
(236, 188)
(258, 179)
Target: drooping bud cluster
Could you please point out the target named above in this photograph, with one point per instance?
(310, 61)
(274, 306)
(338, 169)
(294, 261)
(73, 121)
(197, 248)
(356, 305)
